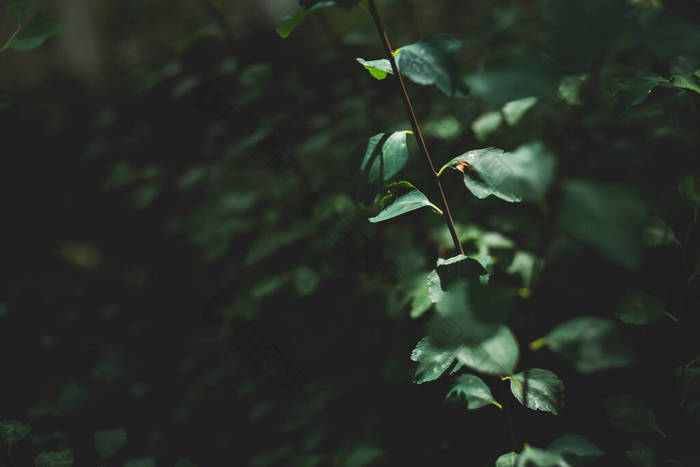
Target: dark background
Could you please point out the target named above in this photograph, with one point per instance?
(185, 255)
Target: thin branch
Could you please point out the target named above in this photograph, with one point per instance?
(12, 38)
(414, 124)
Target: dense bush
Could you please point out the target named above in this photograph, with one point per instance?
(239, 256)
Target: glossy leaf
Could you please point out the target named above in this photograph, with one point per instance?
(538, 389)
(18, 9)
(429, 62)
(507, 460)
(524, 174)
(690, 81)
(486, 172)
(497, 355)
(54, 459)
(12, 432)
(40, 28)
(638, 307)
(108, 442)
(453, 269)
(379, 69)
(656, 232)
(385, 156)
(410, 201)
(290, 22)
(575, 450)
(630, 413)
(476, 393)
(432, 362)
(590, 343)
(605, 217)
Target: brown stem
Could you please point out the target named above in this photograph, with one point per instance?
(414, 124)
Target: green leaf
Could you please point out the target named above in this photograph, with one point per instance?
(385, 156)
(575, 450)
(538, 389)
(486, 124)
(404, 203)
(474, 390)
(486, 172)
(469, 313)
(514, 111)
(524, 174)
(605, 217)
(108, 442)
(432, 362)
(590, 343)
(635, 89)
(41, 27)
(54, 459)
(290, 22)
(690, 81)
(630, 413)
(539, 458)
(420, 297)
(656, 232)
(430, 61)
(435, 291)
(570, 88)
(497, 355)
(18, 9)
(642, 455)
(507, 460)
(453, 269)
(12, 432)
(379, 69)
(638, 307)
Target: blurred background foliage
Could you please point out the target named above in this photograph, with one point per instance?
(188, 274)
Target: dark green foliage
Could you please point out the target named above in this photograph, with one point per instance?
(217, 252)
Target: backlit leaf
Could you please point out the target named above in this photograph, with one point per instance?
(403, 203)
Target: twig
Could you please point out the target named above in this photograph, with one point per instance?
(414, 124)
(12, 38)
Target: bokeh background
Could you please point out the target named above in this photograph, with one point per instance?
(186, 257)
